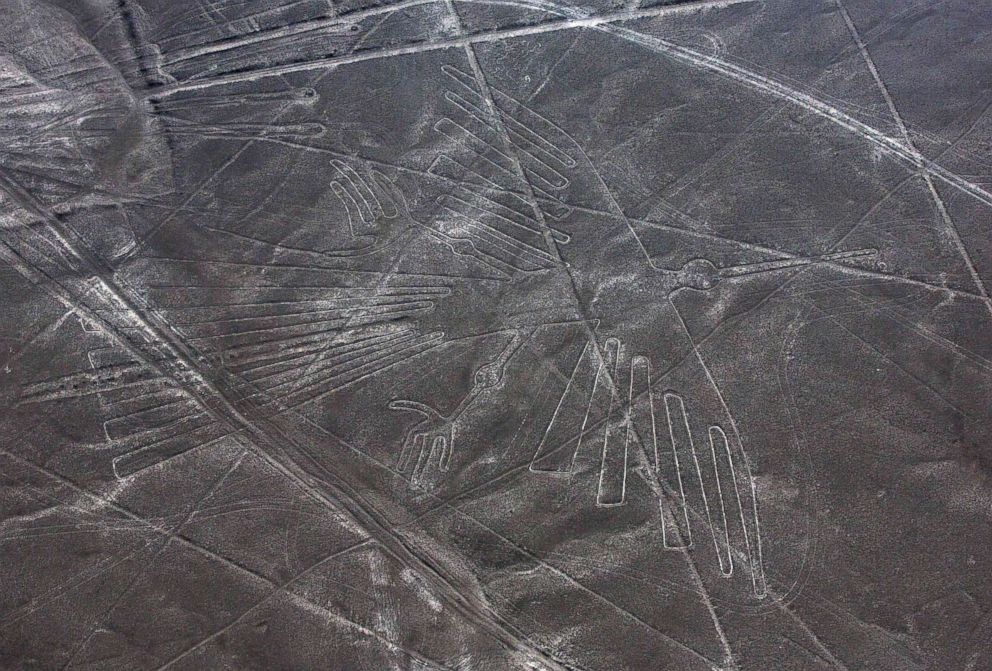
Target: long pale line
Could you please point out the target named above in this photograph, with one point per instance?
(313, 25)
(440, 45)
(904, 131)
(603, 23)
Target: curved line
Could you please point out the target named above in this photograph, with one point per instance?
(767, 85)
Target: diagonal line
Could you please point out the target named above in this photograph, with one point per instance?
(277, 589)
(574, 18)
(577, 20)
(147, 566)
(225, 402)
(49, 219)
(172, 57)
(47, 330)
(245, 146)
(741, 244)
(952, 230)
(782, 606)
(175, 534)
(126, 512)
(449, 505)
(510, 148)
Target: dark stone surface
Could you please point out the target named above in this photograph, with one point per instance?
(483, 335)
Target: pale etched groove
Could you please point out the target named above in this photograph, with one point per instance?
(341, 22)
(225, 403)
(920, 164)
(602, 23)
(491, 36)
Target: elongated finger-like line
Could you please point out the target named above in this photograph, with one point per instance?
(443, 446)
(423, 459)
(383, 189)
(360, 190)
(408, 449)
(413, 406)
(350, 206)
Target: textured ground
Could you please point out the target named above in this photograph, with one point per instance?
(496, 334)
